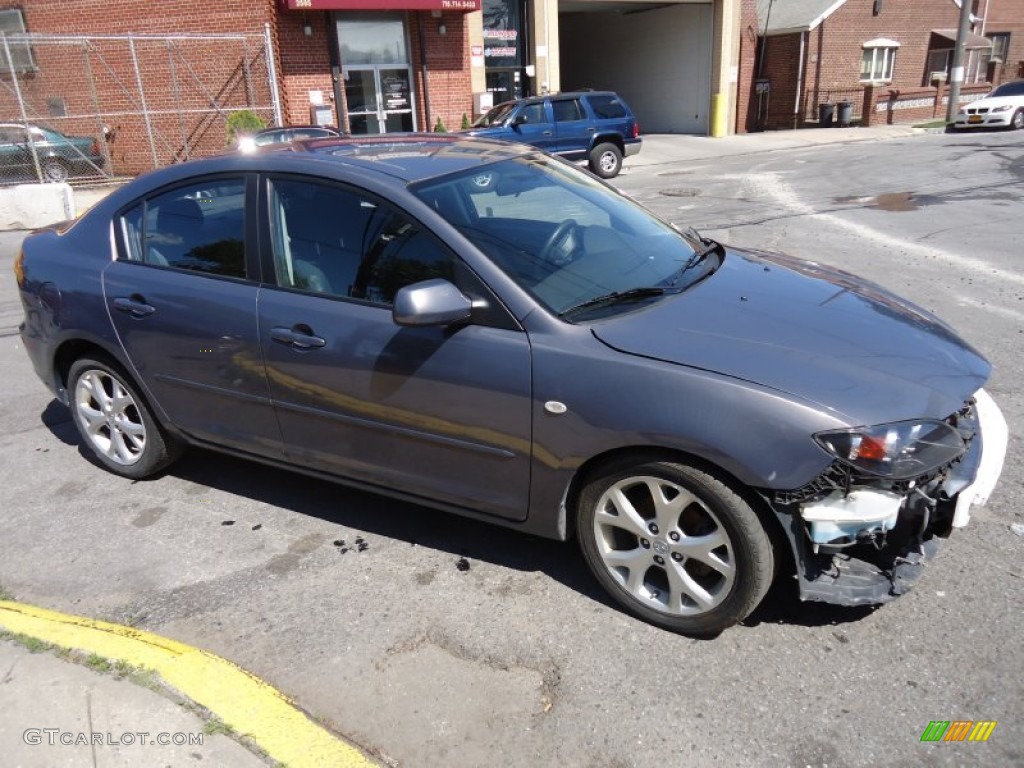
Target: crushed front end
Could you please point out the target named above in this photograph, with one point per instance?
(862, 531)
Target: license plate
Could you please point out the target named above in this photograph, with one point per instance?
(974, 119)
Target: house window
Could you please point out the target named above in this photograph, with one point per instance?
(12, 22)
(877, 60)
(1000, 46)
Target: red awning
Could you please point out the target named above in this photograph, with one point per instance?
(383, 5)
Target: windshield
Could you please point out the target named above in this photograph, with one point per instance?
(495, 116)
(566, 237)
(1015, 88)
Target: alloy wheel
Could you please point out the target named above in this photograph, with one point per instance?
(110, 416)
(664, 546)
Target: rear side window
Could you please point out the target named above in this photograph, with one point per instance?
(200, 228)
(606, 106)
(567, 110)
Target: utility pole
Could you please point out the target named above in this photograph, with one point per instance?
(956, 75)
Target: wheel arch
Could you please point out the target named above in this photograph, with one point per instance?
(609, 138)
(72, 349)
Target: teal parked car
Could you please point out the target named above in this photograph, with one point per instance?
(60, 157)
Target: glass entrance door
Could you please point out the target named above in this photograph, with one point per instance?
(375, 66)
(379, 99)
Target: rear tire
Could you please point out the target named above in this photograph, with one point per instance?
(115, 423)
(606, 160)
(675, 546)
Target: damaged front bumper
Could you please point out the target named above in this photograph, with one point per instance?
(858, 540)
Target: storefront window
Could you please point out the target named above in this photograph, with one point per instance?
(372, 38)
(503, 26)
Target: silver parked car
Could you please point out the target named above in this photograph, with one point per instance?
(537, 351)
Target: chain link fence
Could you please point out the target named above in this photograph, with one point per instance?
(87, 109)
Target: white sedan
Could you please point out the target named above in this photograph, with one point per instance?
(1003, 107)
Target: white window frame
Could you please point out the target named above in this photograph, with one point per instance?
(881, 52)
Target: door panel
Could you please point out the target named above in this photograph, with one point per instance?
(421, 410)
(197, 351)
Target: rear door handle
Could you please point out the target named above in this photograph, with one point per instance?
(299, 337)
(135, 306)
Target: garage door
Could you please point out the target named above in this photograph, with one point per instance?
(657, 58)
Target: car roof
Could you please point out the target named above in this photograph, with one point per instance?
(405, 158)
(562, 95)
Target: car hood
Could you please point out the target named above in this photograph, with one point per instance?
(810, 331)
(991, 102)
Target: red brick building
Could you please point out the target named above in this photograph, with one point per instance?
(160, 79)
(889, 61)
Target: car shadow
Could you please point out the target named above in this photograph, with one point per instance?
(460, 537)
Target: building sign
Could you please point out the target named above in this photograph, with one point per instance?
(382, 5)
(503, 21)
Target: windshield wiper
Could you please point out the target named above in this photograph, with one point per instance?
(614, 298)
(699, 254)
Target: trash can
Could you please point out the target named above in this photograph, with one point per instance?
(826, 111)
(844, 115)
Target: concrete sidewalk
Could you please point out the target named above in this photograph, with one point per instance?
(660, 148)
(136, 698)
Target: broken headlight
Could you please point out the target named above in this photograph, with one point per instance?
(898, 451)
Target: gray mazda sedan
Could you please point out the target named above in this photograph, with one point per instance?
(480, 327)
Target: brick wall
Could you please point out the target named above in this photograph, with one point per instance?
(1007, 16)
(91, 89)
(889, 106)
(181, 83)
(746, 100)
(449, 80)
(305, 63)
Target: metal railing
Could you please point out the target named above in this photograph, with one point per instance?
(88, 108)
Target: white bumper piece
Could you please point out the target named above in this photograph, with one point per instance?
(994, 434)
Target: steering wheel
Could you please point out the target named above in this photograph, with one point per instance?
(561, 233)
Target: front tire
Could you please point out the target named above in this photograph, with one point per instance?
(1017, 122)
(114, 421)
(606, 160)
(54, 170)
(675, 546)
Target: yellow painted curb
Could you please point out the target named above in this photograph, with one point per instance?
(249, 705)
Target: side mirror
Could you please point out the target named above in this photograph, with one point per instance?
(520, 119)
(431, 302)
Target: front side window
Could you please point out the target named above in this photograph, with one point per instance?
(200, 228)
(336, 241)
(533, 114)
(877, 61)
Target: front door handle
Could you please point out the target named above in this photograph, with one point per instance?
(135, 306)
(299, 337)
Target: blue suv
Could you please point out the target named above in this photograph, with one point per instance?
(596, 126)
